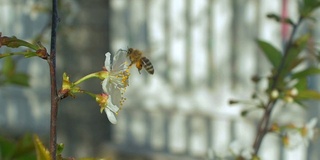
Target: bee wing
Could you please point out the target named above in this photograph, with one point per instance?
(119, 61)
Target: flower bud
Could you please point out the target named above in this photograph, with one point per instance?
(293, 92)
(233, 101)
(274, 94)
(288, 99)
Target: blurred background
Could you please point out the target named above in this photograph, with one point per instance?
(203, 52)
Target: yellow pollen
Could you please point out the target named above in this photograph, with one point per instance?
(285, 140)
(304, 131)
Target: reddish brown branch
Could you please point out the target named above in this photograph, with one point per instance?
(264, 122)
(52, 66)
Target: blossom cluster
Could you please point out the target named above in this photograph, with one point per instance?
(115, 83)
(293, 135)
(115, 80)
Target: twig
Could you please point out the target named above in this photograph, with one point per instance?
(264, 123)
(52, 66)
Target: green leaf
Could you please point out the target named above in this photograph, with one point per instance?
(29, 54)
(273, 55)
(95, 159)
(308, 94)
(25, 148)
(295, 63)
(307, 7)
(302, 84)
(301, 41)
(306, 72)
(312, 19)
(297, 46)
(274, 16)
(8, 66)
(21, 79)
(60, 148)
(7, 148)
(42, 152)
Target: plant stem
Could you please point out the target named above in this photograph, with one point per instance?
(264, 123)
(52, 66)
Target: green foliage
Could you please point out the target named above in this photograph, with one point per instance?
(308, 95)
(287, 82)
(302, 84)
(30, 147)
(9, 75)
(8, 66)
(274, 56)
(306, 72)
(21, 149)
(292, 60)
(286, 70)
(41, 152)
(306, 7)
(32, 49)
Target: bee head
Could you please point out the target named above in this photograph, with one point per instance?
(130, 50)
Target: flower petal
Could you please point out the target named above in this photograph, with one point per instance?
(111, 106)
(112, 118)
(107, 62)
(116, 97)
(105, 84)
(312, 123)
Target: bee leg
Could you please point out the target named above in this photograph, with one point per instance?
(139, 66)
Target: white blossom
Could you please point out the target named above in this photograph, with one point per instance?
(115, 83)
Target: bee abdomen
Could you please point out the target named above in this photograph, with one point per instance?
(147, 65)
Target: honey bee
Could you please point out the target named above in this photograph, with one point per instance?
(136, 57)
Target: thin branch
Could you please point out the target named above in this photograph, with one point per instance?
(52, 66)
(264, 123)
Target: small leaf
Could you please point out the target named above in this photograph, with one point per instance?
(273, 55)
(297, 46)
(95, 159)
(296, 62)
(308, 94)
(244, 113)
(7, 148)
(302, 84)
(307, 7)
(274, 16)
(29, 54)
(25, 148)
(306, 72)
(60, 148)
(8, 66)
(312, 19)
(289, 21)
(301, 41)
(42, 152)
(21, 79)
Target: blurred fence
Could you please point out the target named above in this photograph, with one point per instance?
(204, 54)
